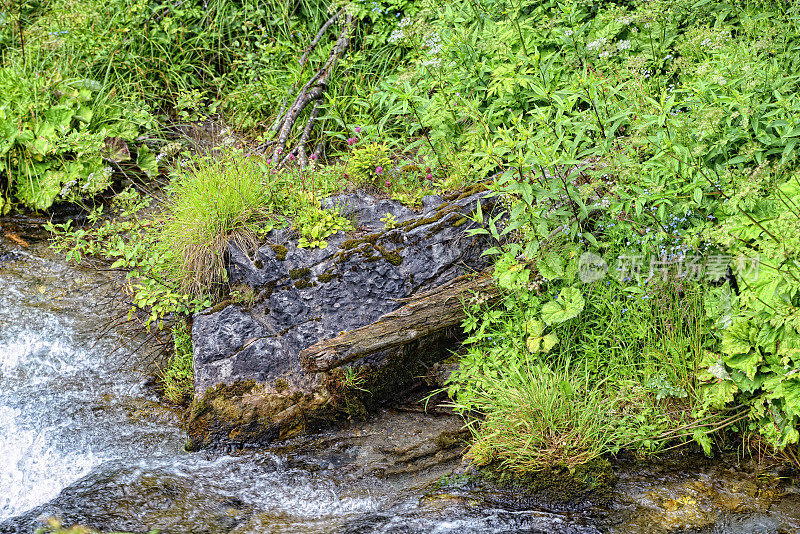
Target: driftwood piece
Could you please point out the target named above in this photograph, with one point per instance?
(422, 315)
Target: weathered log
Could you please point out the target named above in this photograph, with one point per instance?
(423, 315)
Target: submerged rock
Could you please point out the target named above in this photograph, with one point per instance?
(131, 499)
(252, 387)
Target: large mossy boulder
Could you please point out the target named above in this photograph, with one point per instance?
(251, 384)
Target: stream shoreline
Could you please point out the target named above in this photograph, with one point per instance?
(398, 455)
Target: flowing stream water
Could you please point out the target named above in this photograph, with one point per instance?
(82, 438)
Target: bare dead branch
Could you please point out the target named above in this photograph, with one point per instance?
(313, 89)
(301, 145)
(280, 117)
(317, 38)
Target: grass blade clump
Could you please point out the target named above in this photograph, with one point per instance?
(215, 202)
(536, 418)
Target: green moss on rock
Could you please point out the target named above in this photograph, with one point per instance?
(296, 274)
(280, 252)
(327, 277)
(391, 256)
(558, 485)
(220, 391)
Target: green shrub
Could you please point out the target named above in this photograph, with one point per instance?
(368, 164)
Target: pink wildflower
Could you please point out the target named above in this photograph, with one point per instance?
(429, 176)
(378, 170)
(313, 157)
(291, 157)
(358, 129)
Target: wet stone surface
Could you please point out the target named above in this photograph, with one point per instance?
(306, 295)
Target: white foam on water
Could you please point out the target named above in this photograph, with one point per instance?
(36, 460)
(32, 468)
(276, 489)
(42, 358)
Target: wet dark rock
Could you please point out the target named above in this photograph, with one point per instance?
(307, 295)
(7, 256)
(132, 500)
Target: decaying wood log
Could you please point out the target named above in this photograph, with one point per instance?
(280, 117)
(422, 315)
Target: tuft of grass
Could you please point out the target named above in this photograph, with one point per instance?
(537, 418)
(214, 202)
(622, 374)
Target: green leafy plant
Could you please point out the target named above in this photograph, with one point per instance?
(368, 163)
(178, 375)
(58, 139)
(315, 225)
(389, 221)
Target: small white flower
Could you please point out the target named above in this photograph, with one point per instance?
(397, 36)
(598, 43)
(624, 45)
(568, 32)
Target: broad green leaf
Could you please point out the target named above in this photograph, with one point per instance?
(738, 339)
(548, 342)
(566, 306)
(747, 363)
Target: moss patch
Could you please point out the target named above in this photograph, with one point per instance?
(390, 255)
(467, 191)
(218, 307)
(280, 251)
(295, 274)
(281, 384)
(304, 283)
(327, 277)
(557, 486)
(220, 391)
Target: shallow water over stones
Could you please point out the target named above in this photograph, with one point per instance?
(83, 438)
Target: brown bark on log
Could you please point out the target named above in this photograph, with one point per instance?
(422, 315)
(301, 145)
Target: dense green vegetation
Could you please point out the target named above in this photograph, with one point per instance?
(646, 151)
